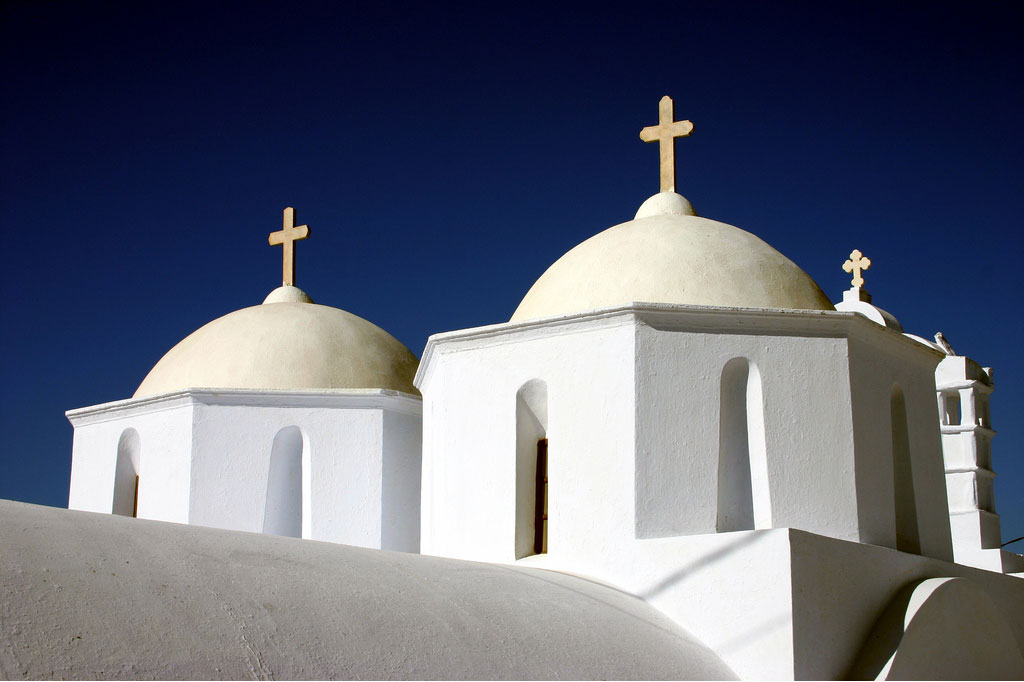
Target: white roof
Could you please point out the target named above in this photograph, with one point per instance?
(93, 595)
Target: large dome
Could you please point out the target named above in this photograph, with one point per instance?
(288, 343)
(667, 254)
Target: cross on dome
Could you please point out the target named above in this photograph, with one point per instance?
(856, 264)
(287, 236)
(664, 134)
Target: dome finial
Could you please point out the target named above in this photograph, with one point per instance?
(287, 236)
(856, 264)
(664, 134)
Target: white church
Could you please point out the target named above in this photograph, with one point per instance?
(677, 460)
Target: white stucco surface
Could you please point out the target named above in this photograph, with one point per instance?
(165, 442)
(669, 255)
(964, 391)
(207, 457)
(96, 596)
(842, 590)
(634, 418)
(786, 604)
(856, 300)
(842, 442)
(286, 345)
(941, 628)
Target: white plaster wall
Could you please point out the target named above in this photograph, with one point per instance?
(165, 446)
(807, 428)
(781, 603)
(346, 471)
(207, 460)
(232, 464)
(880, 359)
(733, 591)
(841, 589)
(469, 457)
(346, 452)
(947, 628)
(966, 448)
(826, 380)
(650, 437)
(401, 479)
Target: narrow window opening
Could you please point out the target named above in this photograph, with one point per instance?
(905, 504)
(531, 466)
(126, 475)
(983, 412)
(540, 540)
(951, 411)
(135, 502)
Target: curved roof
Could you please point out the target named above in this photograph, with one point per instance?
(288, 343)
(93, 595)
(668, 254)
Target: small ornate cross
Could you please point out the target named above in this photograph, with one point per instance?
(664, 134)
(287, 236)
(856, 264)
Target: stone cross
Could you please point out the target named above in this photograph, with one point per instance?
(287, 236)
(664, 134)
(856, 264)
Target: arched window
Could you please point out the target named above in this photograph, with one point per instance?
(531, 469)
(126, 474)
(744, 500)
(287, 508)
(907, 538)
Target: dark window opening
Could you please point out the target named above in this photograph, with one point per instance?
(540, 538)
(135, 503)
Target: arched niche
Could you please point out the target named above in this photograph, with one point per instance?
(531, 468)
(287, 507)
(744, 499)
(126, 474)
(907, 536)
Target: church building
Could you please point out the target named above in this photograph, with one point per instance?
(678, 458)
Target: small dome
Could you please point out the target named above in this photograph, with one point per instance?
(285, 344)
(668, 254)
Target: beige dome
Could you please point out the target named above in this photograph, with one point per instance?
(668, 254)
(285, 344)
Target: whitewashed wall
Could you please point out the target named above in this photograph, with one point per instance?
(164, 428)
(632, 412)
(804, 434)
(206, 460)
(469, 468)
(634, 423)
(879, 361)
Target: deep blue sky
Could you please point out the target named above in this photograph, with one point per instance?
(445, 154)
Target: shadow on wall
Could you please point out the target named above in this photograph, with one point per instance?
(940, 629)
(703, 562)
(907, 536)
